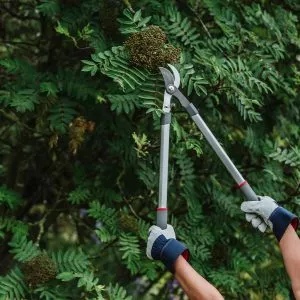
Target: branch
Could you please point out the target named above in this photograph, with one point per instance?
(196, 15)
(128, 4)
(41, 223)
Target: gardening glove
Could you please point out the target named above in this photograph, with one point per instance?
(266, 212)
(162, 245)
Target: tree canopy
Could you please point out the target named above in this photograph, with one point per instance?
(80, 105)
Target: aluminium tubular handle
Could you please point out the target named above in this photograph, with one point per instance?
(241, 182)
(162, 210)
(236, 175)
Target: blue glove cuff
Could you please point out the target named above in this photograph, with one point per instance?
(281, 219)
(168, 251)
(157, 246)
(171, 251)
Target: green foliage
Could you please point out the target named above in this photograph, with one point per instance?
(9, 198)
(124, 103)
(61, 115)
(21, 101)
(49, 8)
(132, 22)
(117, 292)
(114, 64)
(90, 209)
(70, 260)
(12, 286)
(288, 157)
(23, 249)
(129, 247)
(86, 280)
(79, 195)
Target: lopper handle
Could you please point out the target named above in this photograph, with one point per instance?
(162, 211)
(236, 175)
(162, 217)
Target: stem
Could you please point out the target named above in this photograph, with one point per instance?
(128, 4)
(42, 222)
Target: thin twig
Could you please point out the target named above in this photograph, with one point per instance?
(128, 4)
(41, 223)
(199, 19)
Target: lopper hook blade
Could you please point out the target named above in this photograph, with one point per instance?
(167, 75)
(176, 75)
(169, 78)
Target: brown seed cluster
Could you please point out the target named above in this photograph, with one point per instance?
(39, 270)
(149, 49)
(128, 223)
(77, 130)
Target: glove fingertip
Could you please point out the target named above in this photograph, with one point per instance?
(243, 206)
(249, 217)
(262, 227)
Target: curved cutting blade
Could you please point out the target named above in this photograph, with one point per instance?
(167, 75)
(176, 75)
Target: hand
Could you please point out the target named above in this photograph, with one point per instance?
(259, 212)
(154, 232)
(266, 212)
(162, 245)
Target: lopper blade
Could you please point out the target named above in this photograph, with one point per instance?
(176, 75)
(168, 76)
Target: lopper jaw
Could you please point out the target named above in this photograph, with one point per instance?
(169, 78)
(172, 82)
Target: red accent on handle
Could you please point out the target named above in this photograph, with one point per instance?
(241, 184)
(161, 209)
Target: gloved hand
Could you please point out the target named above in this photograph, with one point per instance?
(266, 212)
(162, 245)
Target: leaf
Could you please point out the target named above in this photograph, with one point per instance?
(65, 276)
(62, 30)
(49, 87)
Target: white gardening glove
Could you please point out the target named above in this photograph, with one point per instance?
(266, 212)
(259, 212)
(162, 245)
(154, 232)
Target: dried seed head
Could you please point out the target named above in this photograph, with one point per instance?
(39, 270)
(77, 129)
(128, 222)
(148, 48)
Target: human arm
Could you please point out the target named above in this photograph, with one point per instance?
(162, 245)
(290, 249)
(194, 285)
(266, 213)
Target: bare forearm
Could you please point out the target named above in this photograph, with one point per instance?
(194, 285)
(290, 248)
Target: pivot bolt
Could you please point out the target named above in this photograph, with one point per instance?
(171, 88)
